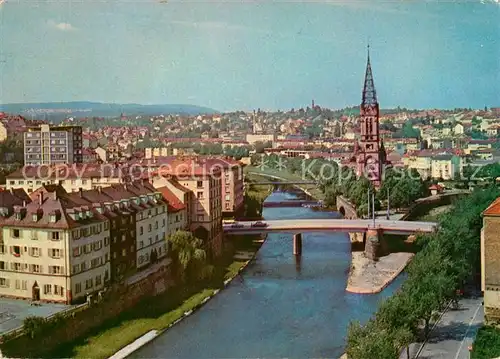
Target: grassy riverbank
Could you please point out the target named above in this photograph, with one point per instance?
(156, 312)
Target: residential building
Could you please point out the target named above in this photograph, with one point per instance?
(446, 167)
(45, 145)
(151, 152)
(53, 249)
(59, 246)
(202, 179)
(176, 213)
(490, 261)
(232, 194)
(253, 138)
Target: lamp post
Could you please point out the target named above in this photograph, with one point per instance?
(373, 208)
(388, 205)
(368, 208)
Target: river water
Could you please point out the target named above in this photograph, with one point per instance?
(277, 308)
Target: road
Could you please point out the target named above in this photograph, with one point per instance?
(453, 333)
(333, 225)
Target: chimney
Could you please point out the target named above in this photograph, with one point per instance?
(99, 189)
(80, 190)
(40, 198)
(24, 203)
(54, 194)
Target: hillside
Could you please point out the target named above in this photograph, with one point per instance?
(97, 109)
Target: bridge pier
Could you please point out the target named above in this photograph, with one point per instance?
(297, 244)
(373, 245)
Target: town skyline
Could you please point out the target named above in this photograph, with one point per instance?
(235, 56)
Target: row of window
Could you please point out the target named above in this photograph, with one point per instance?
(89, 247)
(90, 283)
(150, 226)
(93, 263)
(150, 240)
(151, 212)
(30, 268)
(90, 231)
(48, 289)
(145, 258)
(33, 234)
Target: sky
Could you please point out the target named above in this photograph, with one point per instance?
(244, 55)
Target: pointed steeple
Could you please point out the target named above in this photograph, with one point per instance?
(369, 94)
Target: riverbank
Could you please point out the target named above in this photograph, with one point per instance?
(161, 312)
(368, 277)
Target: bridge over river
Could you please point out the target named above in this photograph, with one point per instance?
(277, 308)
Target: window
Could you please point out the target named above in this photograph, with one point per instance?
(35, 268)
(97, 245)
(24, 285)
(156, 238)
(199, 184)
(15, 233)
(58, 290)
(2, 249)
(78, 288)
(201, 217)
(4, 282)
(98, 280)
(199, 195)
(124, 252)
(47, 289)
(16, 251)
(55, 236)
(35, 252)
(156, 225)
(89, 283)
(76, 268)
(163, 222)
(141, 244)
(150, 241)
(124, 238)
(141, 231)
(55, 270)
(150, 227)
(228, 197)
(55, 253)
(83, 266)
(2, 265)
(77, 251)
(106, 241)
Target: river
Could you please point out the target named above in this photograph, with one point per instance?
(277, 308)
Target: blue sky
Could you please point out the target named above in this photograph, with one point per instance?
(244, 55)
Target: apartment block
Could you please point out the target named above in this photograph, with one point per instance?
(202, 179)
(52, 249)
(177, 210)
(232, 194)
(45, 144)
(58, 246)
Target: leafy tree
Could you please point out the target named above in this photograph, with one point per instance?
(189, 257)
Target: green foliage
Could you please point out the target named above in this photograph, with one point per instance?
(487, 343)
(189, 256)
(448, 258)
(34, 325)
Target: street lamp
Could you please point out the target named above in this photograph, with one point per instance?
(373, 208)
(388, 205)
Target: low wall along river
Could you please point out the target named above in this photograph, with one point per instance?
(278, 307)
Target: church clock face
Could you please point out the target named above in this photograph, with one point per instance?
(370, 111)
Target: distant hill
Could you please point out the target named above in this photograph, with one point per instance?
(56, 110)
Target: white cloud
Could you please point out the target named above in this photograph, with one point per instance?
(62, 26)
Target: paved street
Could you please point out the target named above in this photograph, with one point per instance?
(453, 334)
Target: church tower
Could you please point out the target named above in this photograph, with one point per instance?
(371, 156)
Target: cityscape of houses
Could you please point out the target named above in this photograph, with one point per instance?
(95, 199)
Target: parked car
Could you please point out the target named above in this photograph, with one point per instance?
(237, 225)
(259, 224)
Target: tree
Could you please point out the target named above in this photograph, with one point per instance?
(188, 255)
(259, 147)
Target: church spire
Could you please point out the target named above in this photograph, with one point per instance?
(369, 94)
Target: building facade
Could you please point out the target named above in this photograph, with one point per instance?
(60, 247)
(490, 261)
(45, 145)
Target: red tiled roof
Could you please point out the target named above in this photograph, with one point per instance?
(493, 209)
(174, 204)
